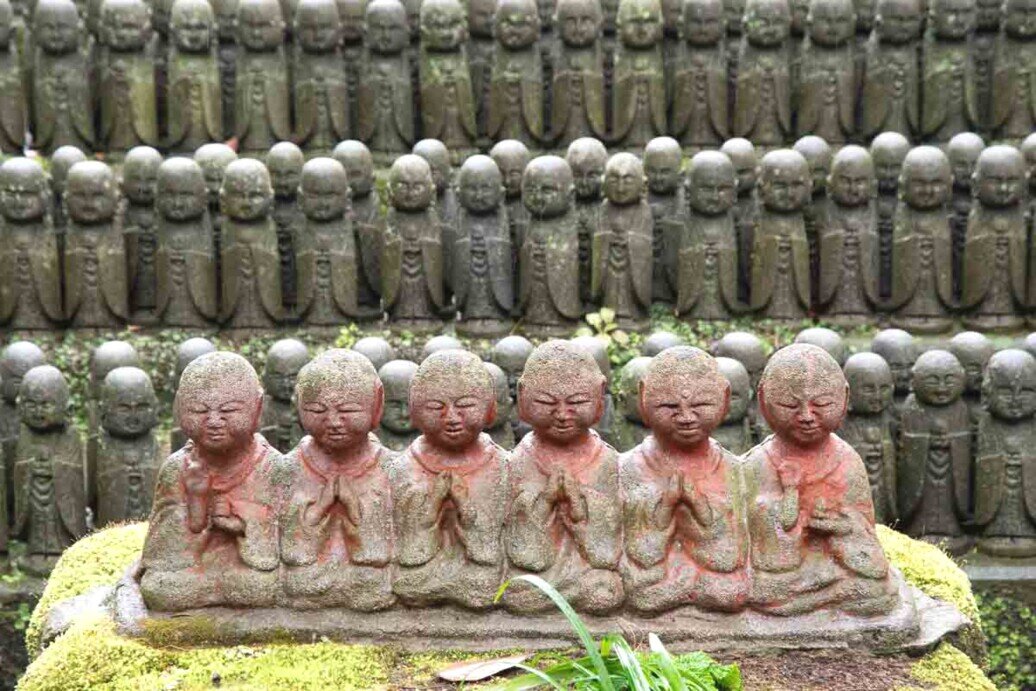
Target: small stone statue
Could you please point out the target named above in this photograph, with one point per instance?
(104, 359)
(60, 163)
(948, 88)
(385, 101)
(900, 351)
(397, 431)
(849, 246)
(214, 159)
(320, 82)
(665, 194)
(810, 514)
(707, 273)
(1005, 503)
(598, 350)
(818, 155)
(973, 351)
(30, 287)
(366, 220)
(933, 480)
(827, 339)
(376, 349)
(742, 153)
(280, 422)
(685, 535)
(628, 429)
(13, 102)
(983, 48)
(1028, 149)
(352, 15)
(284, 162)
(963, 151)
(587, 158)
(763, 89)
(95, 257)
(577, 103)
(887, 151)
(658, 341)
(548, 260)
(185, 259)
(251, 270)
(212, 537)
(138, 221)
(750, 351)
(62, 98)
(511, 353)
(447, 101)
(700, 112)
(262, 101)
(450, 488)
(412, 262)
(127, 448)
(194, 108)
(1013, 94)
(336, 525)
(438, 157)
(870, 428)
(995, 256)
(890, 96)
(15, 360)
(482, 280)
(50, 498)
(480, 48)
(922, 256)
(501, 431)
(511, 157)
(441, 342)
(735, 432)
(226, 20)
(622, 254)
(638, 92)
(781, 285)
(126, 67)
(827, 74)
(514, 109)
(188, 351)
(565, 521)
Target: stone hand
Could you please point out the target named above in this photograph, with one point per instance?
(347, 496)
(196, 481)
(790, 474)
(576, 500)
(441, 489)
(224, 519)
(316, 511)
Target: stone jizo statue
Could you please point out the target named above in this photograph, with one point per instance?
(700, 111)
(587, 157)
(126, 69)
(188, 351)
(376, 349)
(262, 101)
(385, 100)
(397, 431)
(280, 424)
(320, 82)
(577, 92)
(627, 428)
(735, 432)
(194, 106)
(638, 92)
(138, 221)
(447, 101)
(514, 109)
(62, 98)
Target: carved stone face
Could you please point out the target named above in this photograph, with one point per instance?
(767, 23)
(817, 153)
(870, 383)
(339, 399)
(260, 26)
(831, 22)
(442, 25)
(226, 19)
(317, 26)
(784, 181)
(387, 30)
(181, 190)
(987, 15)
(411, 187)
(851, 182)
(703, 23)
(952, 20)
(662, 157)
(627, 394)
(963, 151)
(547, 186)
(742, 154)
(283, 362)
(888, 151)
(480, 18)
(937, 378)
(214, 159)
(624, 179)
(192, 25)
(925, 178)
(973, 351)
(516, 23)
(129, 407)
(55, 25)
(511, 157)
(803, 395)
(17, 359)
(126, 24)
(713, 183)
(561, 392)
(140, 175)
(579, 22)
(898, 21)
(356, 158)
(452, 399)
(740, 388)
(396, 377)
(438, 157)
(351, 17)
(91, 194)
(1020, 18)
(107, 357)
(587, 158)
(23, 190)
(897, 348)
(219, 403)
(683, 397)
(246, 193)
(43, 399)
(481, 185)
(1009, 387)
(999, 178)
(285, 165)
(324, 190)
(60, 163)
(639, 23)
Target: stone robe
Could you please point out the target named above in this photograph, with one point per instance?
(125, 477)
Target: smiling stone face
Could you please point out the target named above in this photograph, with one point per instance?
(561, 392)
(938, 378)
(803, 395)
(411, 187)
(43, 398)
(129, 407)
(1009, 387)
(219, 403)
(624, 179)
(713, 183)
(324, 189)
(480, 185)
(340, 399)
(246, 193)
(870, 383)
(452, 399)
(683, 397)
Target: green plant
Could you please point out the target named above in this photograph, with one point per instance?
(1008, 622)
(622, 345)
(613, 665)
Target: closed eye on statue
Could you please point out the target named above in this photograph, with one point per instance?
(467, 402)
(231, 407)
(315, 408)
(435, 405)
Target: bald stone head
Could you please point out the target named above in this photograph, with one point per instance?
(547, 187)
(284, 360)
(818, 155)
(376, 349)
(443, 24)
(851, 182)
(587, 157)
(627, 394)
(340, 399)
(411, 187)
(713, 185)
(438, 158)
(683, 397)
(285, 162)
(438, 343)
(359, 165)
(105, 358)
(662, 158)
(189, 351)
(452, 399)
(639, 23)
(937, 378)
(219, 386)
(803, 395)
(480, 185)
(516, 23)
(15, 360)
(824, 338)
(192, 25)
(129, 407)
(55, 26)
(502, 392)
(396, 376)
(598, 350)
(579, 22)
(973, 351)
(324, 190)
(702, 22)
(246, 193)
(767, 23)
(386, 27)
(926, 178)
(317, 25)
(43, 399)
(898, 21)
(61, 162)
(181, 191)
(888, 150)
(870, 383)
(214, 159)
(900, 351)
(561, 392)
(785, 182)
(963, 151)
(511, 156)
(1009, 387)
(140, 174)
(260, 25)
(624, 179)
(742, 154)
(24, 192)
(740, 388)
(659, 341)
(746, 348)
(91, 193)
(999, 180)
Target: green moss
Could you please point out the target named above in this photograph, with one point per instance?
(948, 669)
(1009, 622)
(930, 569)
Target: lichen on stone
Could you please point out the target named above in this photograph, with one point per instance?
(948, 669)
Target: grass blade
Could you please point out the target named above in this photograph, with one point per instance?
(665, 663)
(630, 664)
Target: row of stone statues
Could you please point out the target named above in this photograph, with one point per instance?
(915, 232)
(182, 74)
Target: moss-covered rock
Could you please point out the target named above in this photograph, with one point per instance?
(92, 656)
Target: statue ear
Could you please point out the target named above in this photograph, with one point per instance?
(726, 400)
(599, 413)
(258, 415)
(490, 413)
(522, 404)
(641, 403)
(379, 403)
(845, 401)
